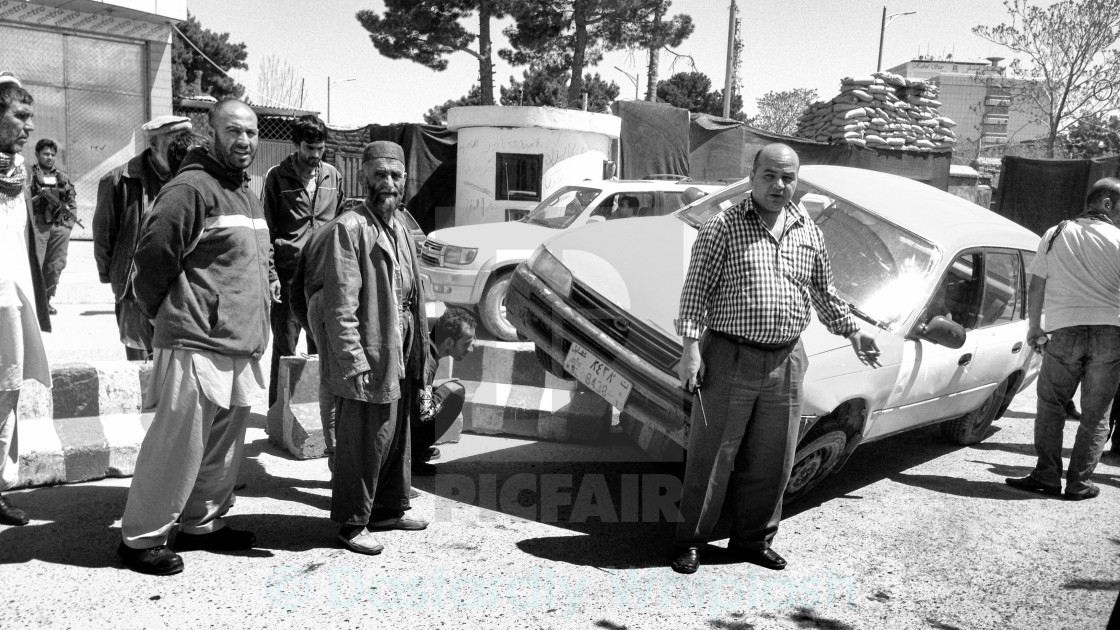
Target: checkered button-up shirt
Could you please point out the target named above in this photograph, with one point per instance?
(743, 281)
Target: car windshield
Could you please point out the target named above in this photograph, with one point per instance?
(562, 207)
(877, 267)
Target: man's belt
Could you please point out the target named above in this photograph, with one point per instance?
(757, 345)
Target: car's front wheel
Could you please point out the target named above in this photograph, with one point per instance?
(492, 308)
(973, 427)
(818, 454)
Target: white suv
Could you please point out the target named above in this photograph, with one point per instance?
(471, 265)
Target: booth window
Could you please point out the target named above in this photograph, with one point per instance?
(519, 177)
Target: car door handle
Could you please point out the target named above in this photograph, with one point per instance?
(965, 359)
(1017, 347)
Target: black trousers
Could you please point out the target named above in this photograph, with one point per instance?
(285, 333)
(372, 460)
(448, 400)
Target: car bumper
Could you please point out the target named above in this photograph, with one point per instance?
(454, 286)
(537, 312)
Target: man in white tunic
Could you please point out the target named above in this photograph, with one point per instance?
(22, 296)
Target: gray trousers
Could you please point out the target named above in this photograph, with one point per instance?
(742, 440)
(187, 465)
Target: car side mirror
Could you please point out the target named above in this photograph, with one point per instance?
(596, 219)
(943, 332)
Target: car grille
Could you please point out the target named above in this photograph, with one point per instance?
(432, 253)
(635, 336)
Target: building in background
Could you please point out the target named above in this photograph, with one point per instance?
(97, 70)
(976, 97)
(510, 158)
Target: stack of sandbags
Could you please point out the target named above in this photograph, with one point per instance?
(880, 111)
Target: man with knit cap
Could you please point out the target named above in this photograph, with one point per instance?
(1075, 281)
(203, 274)
(124, 197)
(365, 310)
(23, 299)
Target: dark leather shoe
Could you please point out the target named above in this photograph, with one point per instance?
(1092, 493)
(688, 561)
(1030, 485)
(51, 310)
(431, 453)
(224, 539)
(153, 561)
(11, 515)
(765, 558)
(423, 469)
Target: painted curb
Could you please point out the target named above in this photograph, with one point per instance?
(89, 425)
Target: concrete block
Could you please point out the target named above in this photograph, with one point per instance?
(294, 423)
(88, 426)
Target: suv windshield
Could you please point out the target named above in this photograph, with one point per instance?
(879, 268)
(562, 207)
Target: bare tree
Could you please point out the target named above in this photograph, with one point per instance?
(1068, 66)
(278, 83)
(778, 111)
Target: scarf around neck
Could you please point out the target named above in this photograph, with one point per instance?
(11, 184)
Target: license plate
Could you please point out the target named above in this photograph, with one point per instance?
(597, 376)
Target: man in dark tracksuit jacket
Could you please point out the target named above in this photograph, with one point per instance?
(203, 274)
(300, 194)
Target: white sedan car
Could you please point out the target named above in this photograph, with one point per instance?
(471, 265)
(938, 280)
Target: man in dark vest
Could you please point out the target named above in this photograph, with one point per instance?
(55, 206)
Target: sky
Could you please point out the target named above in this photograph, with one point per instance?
(788, 44)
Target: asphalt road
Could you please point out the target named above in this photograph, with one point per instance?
(913, 533)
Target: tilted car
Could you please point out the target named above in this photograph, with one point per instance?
(939, 281)
(471, 265)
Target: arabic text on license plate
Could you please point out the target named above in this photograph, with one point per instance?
(597, 376)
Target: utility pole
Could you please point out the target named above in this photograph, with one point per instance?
(730, 62)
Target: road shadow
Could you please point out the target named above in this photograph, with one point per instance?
(70, 525)
(258, 482)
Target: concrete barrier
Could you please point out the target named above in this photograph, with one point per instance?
(507, 393)
(89, 425)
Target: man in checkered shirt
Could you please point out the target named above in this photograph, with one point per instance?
(755, 268)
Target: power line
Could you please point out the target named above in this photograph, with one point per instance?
(226, 74)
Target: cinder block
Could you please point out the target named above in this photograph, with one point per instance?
(294, 422)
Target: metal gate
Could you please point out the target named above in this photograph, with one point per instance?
(90, 97)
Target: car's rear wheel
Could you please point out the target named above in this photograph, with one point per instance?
(972, 427)
(492, 308)
(818, 454)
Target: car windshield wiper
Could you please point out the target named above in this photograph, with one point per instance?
(860, 313)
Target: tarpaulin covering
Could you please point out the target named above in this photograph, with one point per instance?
(716, 148)
(1038, 193)
(654, 139)
(430, 152)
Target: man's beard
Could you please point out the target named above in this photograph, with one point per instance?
(384, 204)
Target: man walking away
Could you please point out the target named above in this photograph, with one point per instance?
(1075, 281)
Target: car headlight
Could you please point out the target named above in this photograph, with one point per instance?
(552, 271)
(459, 255)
